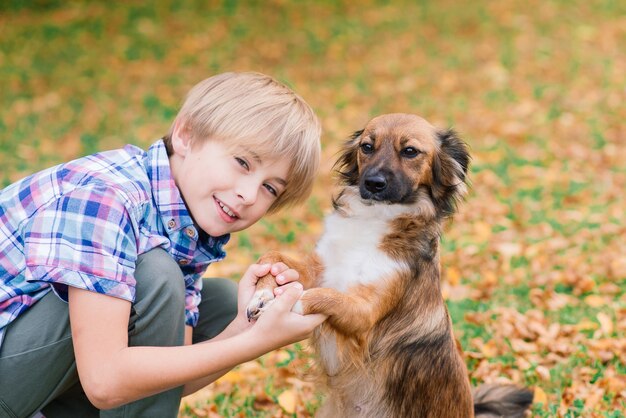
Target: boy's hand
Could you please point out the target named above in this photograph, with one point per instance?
(247, 285)
(283, 275)
(279, 326)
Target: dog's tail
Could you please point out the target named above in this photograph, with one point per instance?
(496, 401)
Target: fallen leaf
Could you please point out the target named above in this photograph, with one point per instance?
(489, 349)
(543, 373)
(287, 400)
(606, 323)
(586, 325)
(540, 396)
(200, 412)
(453, 275)
(233, 376)
(595, 301)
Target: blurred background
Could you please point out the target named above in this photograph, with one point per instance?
(535, 261)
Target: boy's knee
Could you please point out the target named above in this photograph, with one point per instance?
(217, 309)
(225, 289)
(157, 272)
(160, 295)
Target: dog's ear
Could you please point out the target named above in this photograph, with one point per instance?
(347, 165)
(450, 167)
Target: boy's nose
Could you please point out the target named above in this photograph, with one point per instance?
(248, 193)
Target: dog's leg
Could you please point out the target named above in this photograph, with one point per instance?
(308, 270)
(350, 313)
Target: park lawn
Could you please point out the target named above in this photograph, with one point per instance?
(534, 263)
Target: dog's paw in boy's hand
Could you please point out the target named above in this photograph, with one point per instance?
(260, 301)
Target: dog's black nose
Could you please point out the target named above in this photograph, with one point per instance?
(375, 183)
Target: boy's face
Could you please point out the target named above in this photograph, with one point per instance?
(225, 190)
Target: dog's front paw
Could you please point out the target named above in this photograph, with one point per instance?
(261, 300)
(298, 307)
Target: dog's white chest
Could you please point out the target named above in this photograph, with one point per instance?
(350, 251)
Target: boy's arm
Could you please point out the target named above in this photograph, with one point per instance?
(113, 374)
(282, 274)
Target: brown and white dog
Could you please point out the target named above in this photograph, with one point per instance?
(387, 348)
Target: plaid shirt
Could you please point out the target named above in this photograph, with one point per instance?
(83, 224)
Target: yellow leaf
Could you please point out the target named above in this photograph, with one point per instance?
(489, 279)
(540, 396)
(454, 275)
(606, 323)
(200, 412)
(543, 373)
(618, 267)
(586, 284)
(586, 324)
(482, 231)
(287, 401)
(489, 350)
(233, 377)
(595, 301)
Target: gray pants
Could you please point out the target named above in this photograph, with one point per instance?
(37, 364)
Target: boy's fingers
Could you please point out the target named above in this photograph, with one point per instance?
(315, 319)
(289, 295)
(256, 271)
(260, 270)
(287, 276)
(278, 268)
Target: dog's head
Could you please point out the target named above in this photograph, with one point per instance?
(396, 156)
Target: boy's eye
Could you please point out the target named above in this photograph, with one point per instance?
(271, 189)
(243, 163)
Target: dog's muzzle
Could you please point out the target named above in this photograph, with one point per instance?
(375, 183)
(382, 185)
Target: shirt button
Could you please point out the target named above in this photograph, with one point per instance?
(190, 232)
(171, 223)
(183, 261)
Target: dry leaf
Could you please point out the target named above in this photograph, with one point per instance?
(543, 373)
(489, 349)
(233, 376)
(606, 323)
(540, 396)
(482, 231)
(586, 325)
(453, 275)
(288, 400)
(595, 301)
(200, 412)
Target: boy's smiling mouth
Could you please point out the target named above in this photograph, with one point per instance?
(230, 215)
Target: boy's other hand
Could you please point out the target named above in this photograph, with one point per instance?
(270, 286)
(279, 326)
(283, 275)
(247, 285)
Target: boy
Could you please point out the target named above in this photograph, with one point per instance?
(124, 237)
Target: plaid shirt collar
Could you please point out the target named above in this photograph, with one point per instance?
(169, 202)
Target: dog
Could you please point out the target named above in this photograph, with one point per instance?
(387, 348)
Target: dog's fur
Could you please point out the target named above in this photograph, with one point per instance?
(387, 348)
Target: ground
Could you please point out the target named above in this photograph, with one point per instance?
(534, 264)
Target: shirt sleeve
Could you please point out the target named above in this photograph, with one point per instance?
(193, 297)
(86, 239)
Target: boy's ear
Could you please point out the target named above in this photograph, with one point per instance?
(181, 138)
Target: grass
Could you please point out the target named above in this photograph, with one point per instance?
(535, 88)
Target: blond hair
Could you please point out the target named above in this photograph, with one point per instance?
(255, 111)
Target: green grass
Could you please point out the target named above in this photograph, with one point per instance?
(536, 89)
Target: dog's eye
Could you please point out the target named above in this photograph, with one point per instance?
(367, 148)
(410, 152)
